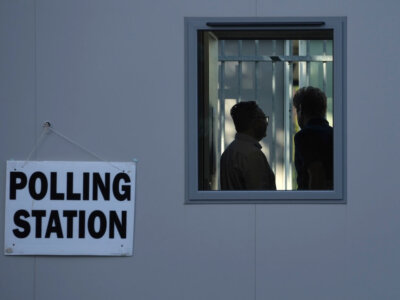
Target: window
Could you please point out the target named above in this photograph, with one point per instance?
(232, 60)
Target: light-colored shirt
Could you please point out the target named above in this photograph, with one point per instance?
(243, 166)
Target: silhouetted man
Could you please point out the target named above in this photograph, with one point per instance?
(243, 165)
(314, 142)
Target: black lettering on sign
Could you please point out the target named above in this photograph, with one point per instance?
(43, 185)
(96, 224)
(70, 215)
(117, 223)
(81, 224)
(18, 181)
(103, 224)
(103, 186)
(38, 214)
(70, 188)
(22, 224)
(126, 188)
(85, 192)
(54, 195)
(54, 225)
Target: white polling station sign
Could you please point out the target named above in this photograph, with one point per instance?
(69, 208)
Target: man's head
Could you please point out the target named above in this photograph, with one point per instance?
(310, 102)
(249, 119)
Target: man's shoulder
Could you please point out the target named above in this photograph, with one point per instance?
(241, 151)
(243, 147)
(313, 131)
(301, 135)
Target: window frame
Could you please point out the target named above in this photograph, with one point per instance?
(192, 194)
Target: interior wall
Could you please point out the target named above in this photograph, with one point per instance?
(110, 75)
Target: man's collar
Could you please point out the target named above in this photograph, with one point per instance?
(317, 121)
(247, 138)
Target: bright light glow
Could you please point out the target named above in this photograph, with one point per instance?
(229, 125)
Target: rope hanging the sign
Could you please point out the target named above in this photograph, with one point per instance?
(47, 126)
(37, 142)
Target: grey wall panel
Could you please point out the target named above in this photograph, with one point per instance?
(373, 222)
(84, 278)
(301, 252)
(87, 69)
(17, 116)
(219, 252)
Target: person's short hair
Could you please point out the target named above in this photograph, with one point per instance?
(243, 113)
(312, 101)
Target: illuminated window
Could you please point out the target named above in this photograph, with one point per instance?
(263, 60)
